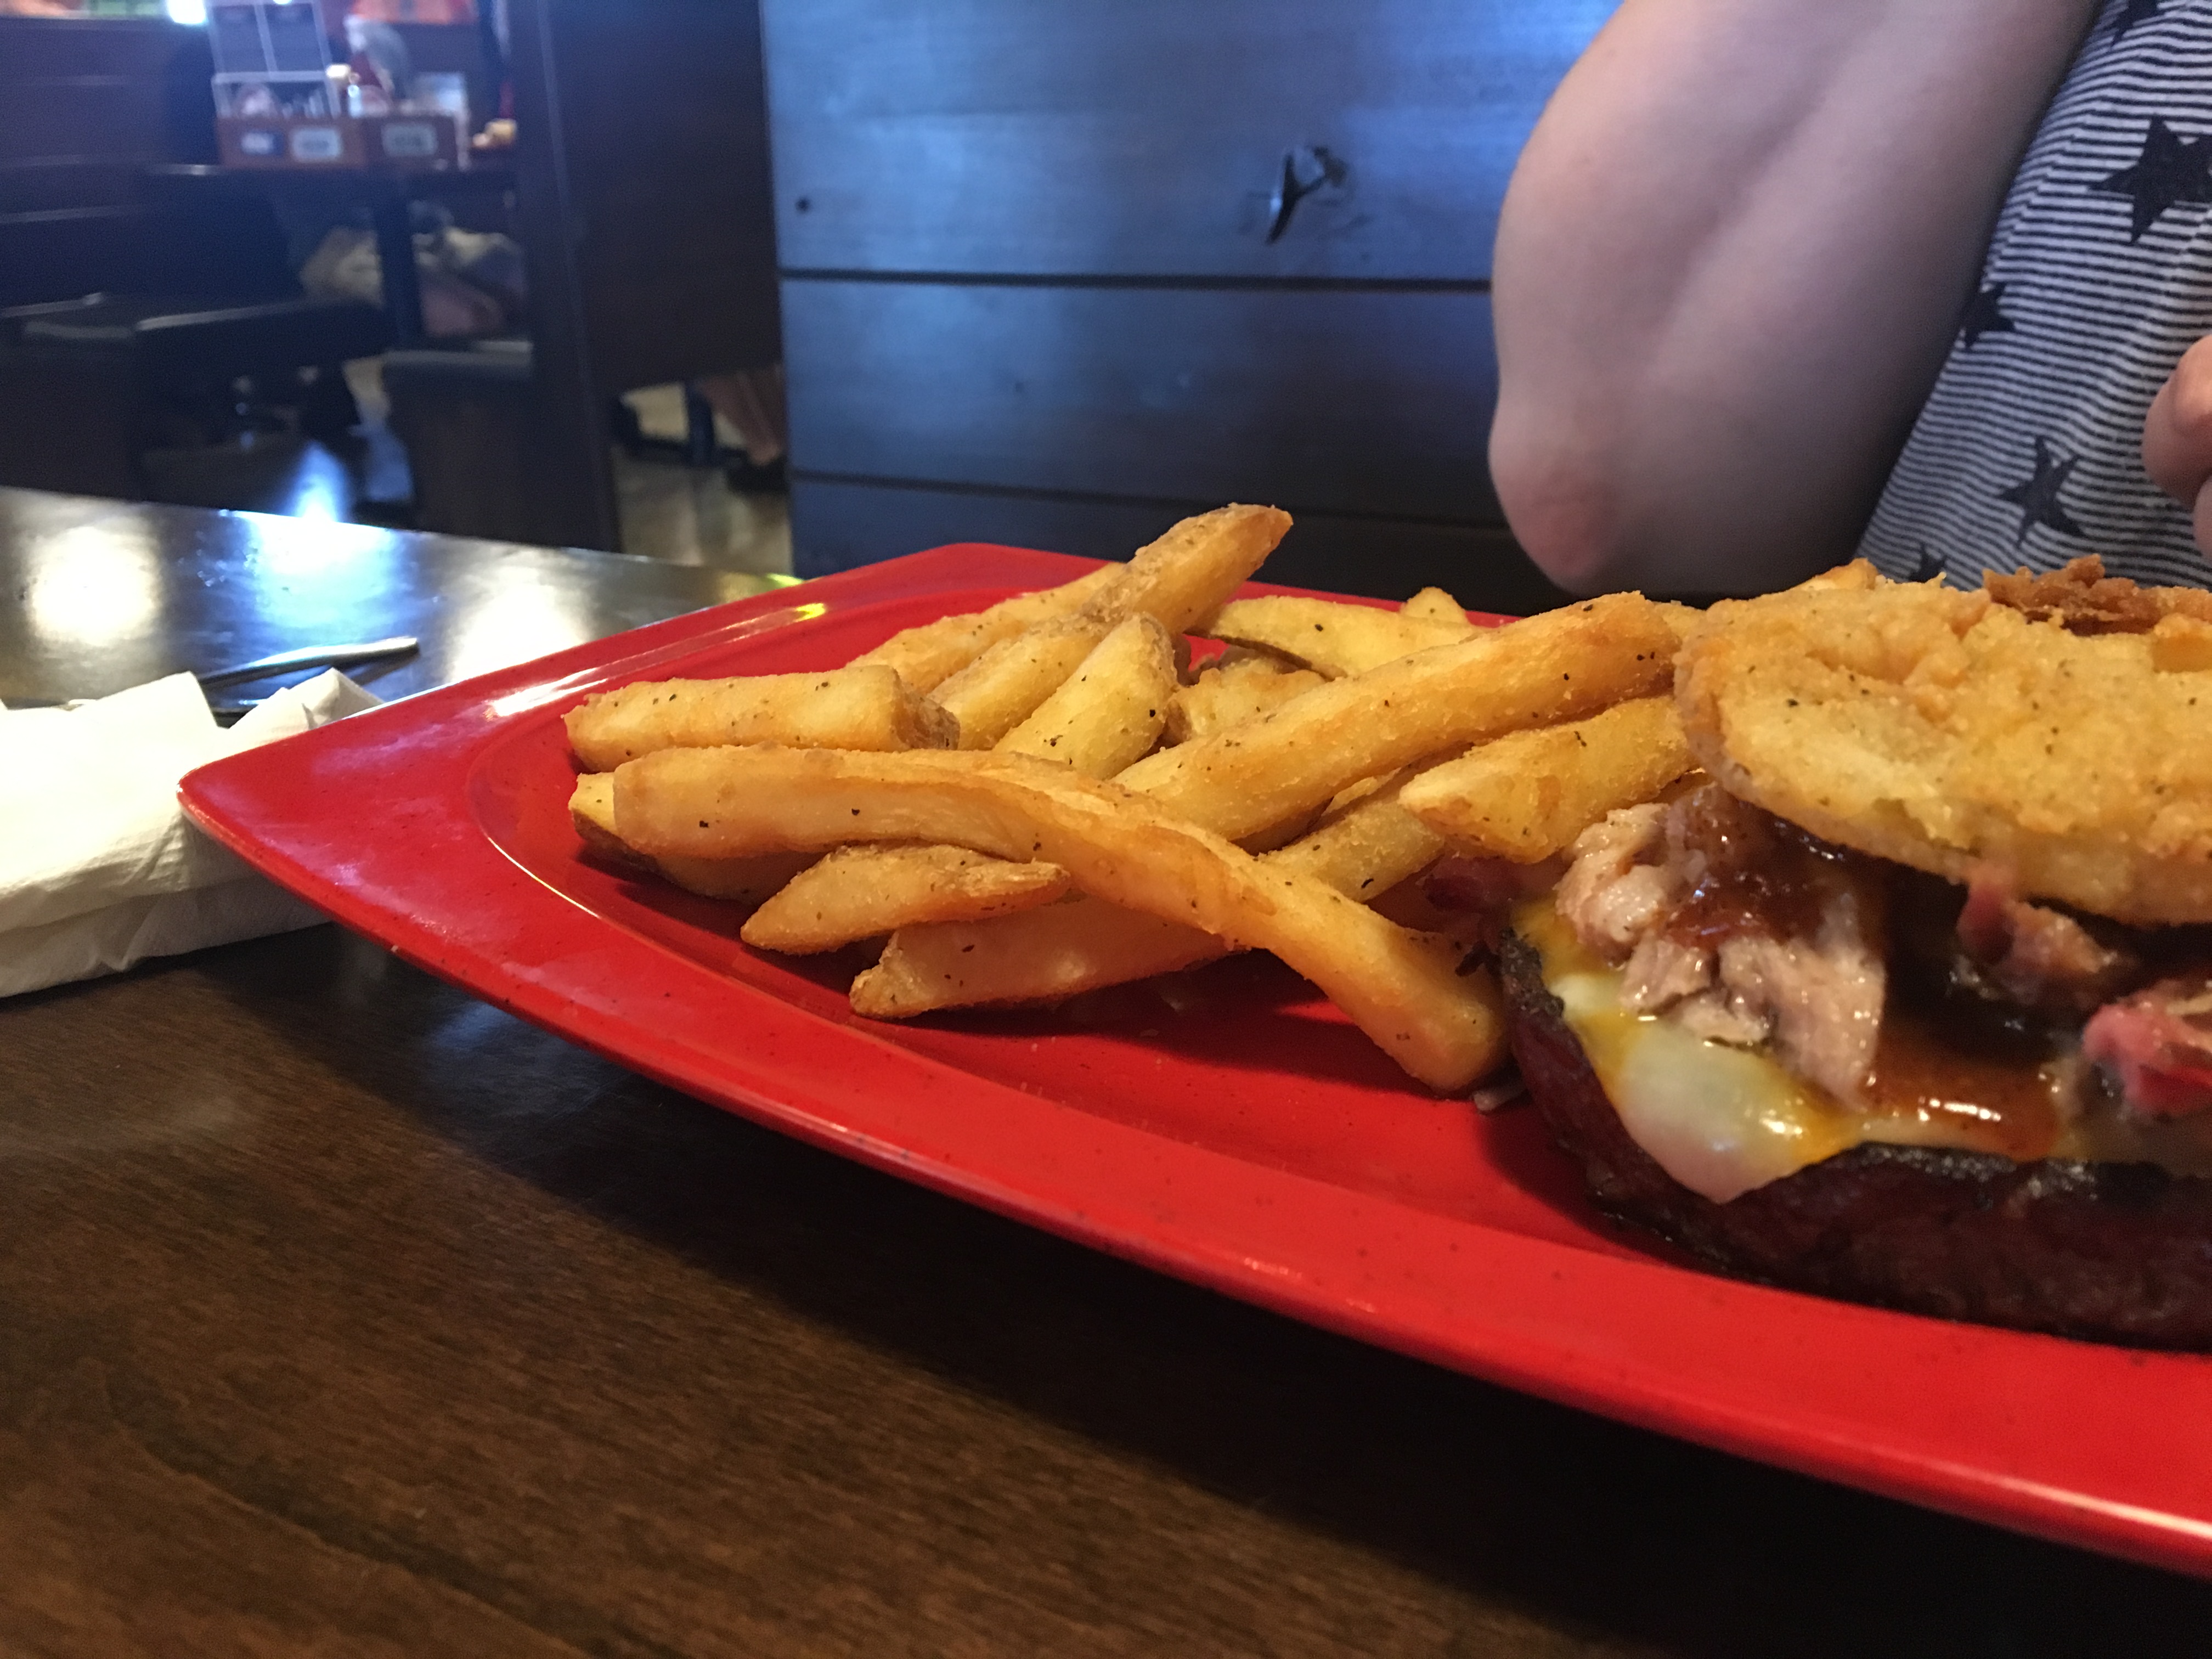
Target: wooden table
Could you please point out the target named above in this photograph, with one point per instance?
(341, 1312)
(387, 193)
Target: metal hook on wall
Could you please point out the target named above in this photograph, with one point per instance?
(1305, 169)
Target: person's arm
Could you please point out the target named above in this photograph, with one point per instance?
(1729, 265)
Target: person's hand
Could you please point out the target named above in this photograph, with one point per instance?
(2176, 441)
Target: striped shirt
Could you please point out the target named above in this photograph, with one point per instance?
(2029, 450)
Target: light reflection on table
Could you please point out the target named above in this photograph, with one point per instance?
(96, 596)
(92, 587)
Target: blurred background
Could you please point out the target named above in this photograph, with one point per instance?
(777, 288)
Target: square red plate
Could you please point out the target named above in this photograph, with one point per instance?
(1242, 1136)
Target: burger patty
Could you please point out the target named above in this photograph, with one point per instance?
(2111, 1252)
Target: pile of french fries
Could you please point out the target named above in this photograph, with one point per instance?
(1042, 798)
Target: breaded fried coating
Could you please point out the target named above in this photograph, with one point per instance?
(1944, 729)
(2085, 600)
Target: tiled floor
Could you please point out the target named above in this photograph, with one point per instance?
(692, 516)
(669, 511)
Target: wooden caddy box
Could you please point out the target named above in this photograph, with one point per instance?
(417, 142)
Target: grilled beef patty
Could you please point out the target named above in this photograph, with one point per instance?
(2110, 1252)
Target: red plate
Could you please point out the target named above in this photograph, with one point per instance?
(1244, 1137)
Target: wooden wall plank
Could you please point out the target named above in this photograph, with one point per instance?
(1145, 137)
(837, 524)
(1324, 399)
(83, 94)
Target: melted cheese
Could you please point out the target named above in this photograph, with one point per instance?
(1723, 1120)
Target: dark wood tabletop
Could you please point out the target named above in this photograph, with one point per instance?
(342, 1313)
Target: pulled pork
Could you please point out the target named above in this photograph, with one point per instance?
(1741, 927)
(2158, 1045)
(1745, 930)
(2042, 959)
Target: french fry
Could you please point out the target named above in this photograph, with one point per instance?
(926, 656)
(1403, 989)
(1433, 605)
(858, 892)
(1528, 794)
(1004, 686)
(1110, 711)
(1319, 743)
(743, 881)
(1330, 636)
(1237, 689)
(837, 709)
(1179, 581)
(1105, 716)
(1365, 847)
(1039, 956)
(1361, 850)
(1561, 666)
(592, 810)
(1183, 578)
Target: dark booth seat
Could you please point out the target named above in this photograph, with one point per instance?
(474, 423)
(86, 385)
(135, 318)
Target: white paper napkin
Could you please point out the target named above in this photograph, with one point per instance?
(99, 868)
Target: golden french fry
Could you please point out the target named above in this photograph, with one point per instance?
(932, 654)
(859, 892)
(1237, 689)
(1433, 605)
(745, 881)
(1361, 850)
(1179, 581)
(1007, 683)
(592, 810)
(1403, 989)
(1110, 711)
(1174, 581)
(1365, 847)
(1561, 666)
(1333, 637)
(1409, 905)
(1039, 956)
(1528, 794)
(1606, 646)
(1105, 714)
(836, 708)
(1184, 577)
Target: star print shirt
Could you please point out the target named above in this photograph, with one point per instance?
(2029, 450)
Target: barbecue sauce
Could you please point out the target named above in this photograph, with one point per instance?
(1987, 1090)
(1756, 874)
(1722, 1121)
